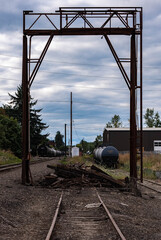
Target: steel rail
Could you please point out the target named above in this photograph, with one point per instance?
(155, 183)
(4, 168)
(50, 232)
(48, 237)
(149, 188)
(7, 167)
(111, 218)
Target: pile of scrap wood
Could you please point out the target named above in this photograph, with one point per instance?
(79, 174)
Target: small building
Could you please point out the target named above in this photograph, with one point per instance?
(120, 138)
(75, 151)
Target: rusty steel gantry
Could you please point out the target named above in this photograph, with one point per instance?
(81, 21)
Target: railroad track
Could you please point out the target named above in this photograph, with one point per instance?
(84, 217)
(8, 167)
(152, 185)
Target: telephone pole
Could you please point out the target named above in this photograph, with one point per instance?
(71, 124)
(65, 140)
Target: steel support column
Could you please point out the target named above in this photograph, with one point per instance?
(25, 116)
(133, 130)
(141, 101)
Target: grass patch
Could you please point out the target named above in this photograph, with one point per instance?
(7, 157)
(151, 163)
(86, 159)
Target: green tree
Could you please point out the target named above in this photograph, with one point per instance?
(59, 140)
(115, 122)
(14, 109)
(157, 121)
(84, 146)
(109, 125)
(152, 119)
(98, 141)
(10, 134)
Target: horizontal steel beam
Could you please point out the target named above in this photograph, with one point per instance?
(82, 31)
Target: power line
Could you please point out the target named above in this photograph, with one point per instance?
(76, 131)
(67, 101)
(76, 63)
(80, 86)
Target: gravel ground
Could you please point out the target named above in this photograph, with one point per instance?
(26, 212)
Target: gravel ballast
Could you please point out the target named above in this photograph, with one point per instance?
(26, 212)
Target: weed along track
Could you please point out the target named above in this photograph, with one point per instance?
(83, 216)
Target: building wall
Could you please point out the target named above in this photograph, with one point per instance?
(121, 139)
(118, 139)
(148, 139)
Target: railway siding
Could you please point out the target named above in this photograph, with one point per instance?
(83, 217)
(27, 211)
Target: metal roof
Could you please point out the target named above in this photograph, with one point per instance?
(128, 129)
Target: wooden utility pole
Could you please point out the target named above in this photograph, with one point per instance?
(65, 139)
(71, 124)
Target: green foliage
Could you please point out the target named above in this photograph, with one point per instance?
(59, 140)
(98, 141)
(86, 147)
(10, 135)
(109, 125)
(115, 122)
(6, 157)
(152, 119)
(14, 109)
(2, 111)
(87, 160)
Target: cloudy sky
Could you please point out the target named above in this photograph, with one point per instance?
(82, 65)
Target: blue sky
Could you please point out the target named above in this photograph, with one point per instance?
(82, 65)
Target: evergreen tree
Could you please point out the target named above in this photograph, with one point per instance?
(59, 140)
(14, 109)
(157, 121)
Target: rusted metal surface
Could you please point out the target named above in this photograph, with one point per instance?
(87, 214)
(71, 122)
(133, 128)
(9, 167)
(156, 187)
(66, 21)
(141, 100)
(25, 116)
(12, 166)
(48, 237)
(118, 61)
(111, 218)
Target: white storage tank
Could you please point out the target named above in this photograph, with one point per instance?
(75, 151)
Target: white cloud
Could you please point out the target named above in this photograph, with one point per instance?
(83, 65)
